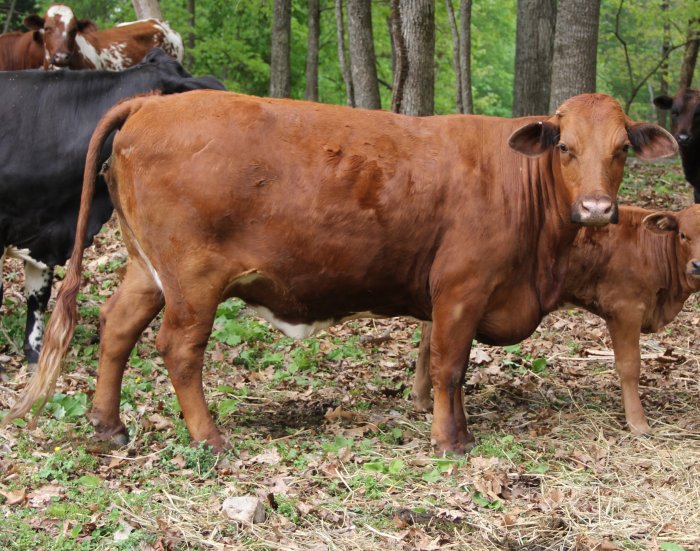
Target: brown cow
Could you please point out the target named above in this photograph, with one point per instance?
(317, 213)
(635, 279)
(685, 126)
(19, 51)
(68, 44)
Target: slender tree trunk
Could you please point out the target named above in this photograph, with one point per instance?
(465, 54)
(280, 69)
(363, 63)
(575, 47)
(147, 9)
(690, 56)
(399, 57)
(533, 56)
(10, 15)
(189, 54)
(662, 114)
(342, 59)
(456, 62)
(311, 92)
(418, 30)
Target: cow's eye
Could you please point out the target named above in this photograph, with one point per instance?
(563, 147)
(684, 237)
(625, 148)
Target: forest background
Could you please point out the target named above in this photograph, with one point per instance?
(640, 45)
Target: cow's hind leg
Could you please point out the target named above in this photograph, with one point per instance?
(182, 339)
(122, 320)
(37, 288)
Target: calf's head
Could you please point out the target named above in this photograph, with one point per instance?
(588, 139)
(685, 114)
(60, 28)
(686, 226)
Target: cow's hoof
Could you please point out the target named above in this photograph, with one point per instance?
(422, 404)
(115, 434)
(639, 428)
(462, 447)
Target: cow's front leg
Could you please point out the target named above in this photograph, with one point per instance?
(454, 327)
(421, 381)
(37, 289)
(625, 330)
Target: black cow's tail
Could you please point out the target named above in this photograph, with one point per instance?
(61, 326)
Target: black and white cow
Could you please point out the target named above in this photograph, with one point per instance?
(47, 119)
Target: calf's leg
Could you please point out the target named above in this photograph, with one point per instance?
(421, 381)
(624, 332)
(37, 289)
(122, 320)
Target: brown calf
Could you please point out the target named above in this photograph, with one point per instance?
(685, 126)
(19, 51)
(73, 44)
(636, 276)
(317, 213)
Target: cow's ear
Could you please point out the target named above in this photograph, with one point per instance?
(535, 138)
(86, 26)
(663, 102)
(650, 141)
(661, 222)
(34, 22)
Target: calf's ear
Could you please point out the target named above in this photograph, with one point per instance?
(535, 138)
(661, 222)
(663, 102)
(650, 141)
(33, 22)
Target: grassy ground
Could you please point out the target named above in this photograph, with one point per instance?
(323, 432)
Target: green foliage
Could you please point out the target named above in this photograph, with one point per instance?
(64, 406)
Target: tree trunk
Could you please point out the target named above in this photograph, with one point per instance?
(280, 69)
(418, 31)
(311, 92)
(662, 114)
(147, 9)
(575, 44)
(533, 57)
(399, 57)
(456, 63)
(363, 63)
(690, 56)
(465, 54)
(189, 54)
(342, 60)
(10, 14)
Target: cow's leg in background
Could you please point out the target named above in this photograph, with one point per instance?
(696, 194)
(625, 329)
(37, 288)
(454, 327)
(122, 320)
(420, 393)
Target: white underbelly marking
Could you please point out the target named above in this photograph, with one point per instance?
(304, 330)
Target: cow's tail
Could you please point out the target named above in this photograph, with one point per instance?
(61, 326)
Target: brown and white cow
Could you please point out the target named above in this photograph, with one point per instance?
(70, 44)
(635, 275)
(317, 213)
(685, 126)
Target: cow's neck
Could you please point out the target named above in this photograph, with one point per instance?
(86, 53)
(551, 209)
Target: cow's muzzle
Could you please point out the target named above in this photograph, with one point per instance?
(694, 268)
(594, 211)
(683, 138)
(60, 59)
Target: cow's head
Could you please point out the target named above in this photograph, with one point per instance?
(589, 138)
(685, 113)
(686, 226)
(173, 76)
(59, 28)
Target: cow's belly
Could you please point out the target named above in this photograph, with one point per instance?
(301, 307)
